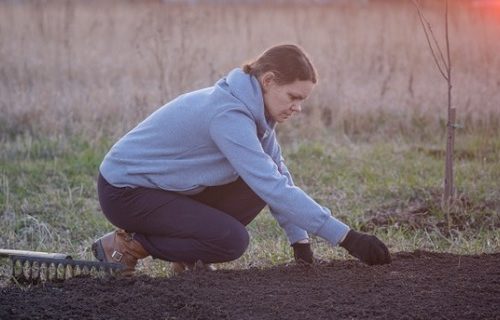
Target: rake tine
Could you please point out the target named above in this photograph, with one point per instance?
(101, 272)
(69, 272)
(35, 270)
(77, 271)
(26, 270)
(60, 271)
(52, 271)
(92, 271)
(17, 268)
(85, 271)
(44, 272)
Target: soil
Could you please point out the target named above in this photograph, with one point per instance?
(418, 285)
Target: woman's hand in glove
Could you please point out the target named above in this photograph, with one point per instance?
(303, 253)
(366, 248)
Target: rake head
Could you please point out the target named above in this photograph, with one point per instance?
(33, 266)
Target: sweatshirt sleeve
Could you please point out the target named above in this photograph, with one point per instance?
(271, 147)
(235, 134)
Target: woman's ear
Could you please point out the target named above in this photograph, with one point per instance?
(268, 79)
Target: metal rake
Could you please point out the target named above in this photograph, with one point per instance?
(35, 266)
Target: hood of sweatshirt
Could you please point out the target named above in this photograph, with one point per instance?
(248, 90)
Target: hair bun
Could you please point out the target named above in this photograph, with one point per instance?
(247, 68)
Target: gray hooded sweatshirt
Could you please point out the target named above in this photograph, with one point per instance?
(211, 137)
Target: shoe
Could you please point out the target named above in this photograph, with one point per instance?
(119, 247)
(180, 267)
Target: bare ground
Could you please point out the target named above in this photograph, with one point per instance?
(418, 285)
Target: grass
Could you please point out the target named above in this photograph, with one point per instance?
(48, 198)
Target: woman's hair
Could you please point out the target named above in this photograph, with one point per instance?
(288, 62)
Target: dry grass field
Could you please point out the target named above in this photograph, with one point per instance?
(98, 67)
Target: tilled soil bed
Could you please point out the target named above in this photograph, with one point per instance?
(418, 285)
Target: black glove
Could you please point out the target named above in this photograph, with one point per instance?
(303, 253)
(366, 248)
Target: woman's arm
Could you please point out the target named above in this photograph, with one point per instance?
(234, 132)
(271, 147)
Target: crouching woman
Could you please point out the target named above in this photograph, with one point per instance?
(184, 183)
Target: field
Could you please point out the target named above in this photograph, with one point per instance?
(75, 76)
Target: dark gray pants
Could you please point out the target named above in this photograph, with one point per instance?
(209, 226)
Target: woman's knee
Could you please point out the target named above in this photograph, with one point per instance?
(234, 243)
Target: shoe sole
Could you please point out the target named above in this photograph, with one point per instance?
(98, 251)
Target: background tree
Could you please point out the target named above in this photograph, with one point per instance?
(443, 63)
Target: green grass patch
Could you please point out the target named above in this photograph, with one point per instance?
(48, 198)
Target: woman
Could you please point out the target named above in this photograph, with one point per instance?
(187, 180)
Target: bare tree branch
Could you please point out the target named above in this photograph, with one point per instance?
(443, 60)
(427, 26)
(448, 56)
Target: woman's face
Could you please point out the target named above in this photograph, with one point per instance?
(282, 101)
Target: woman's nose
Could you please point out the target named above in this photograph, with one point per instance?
(296, 107)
